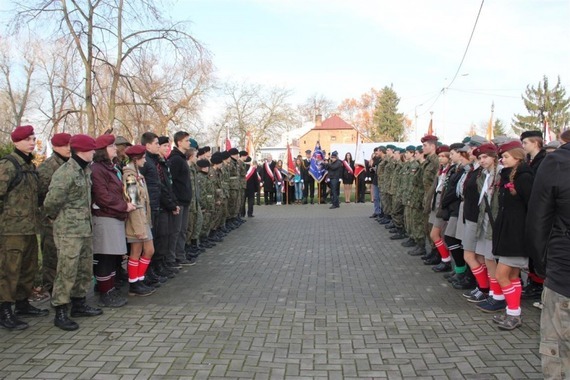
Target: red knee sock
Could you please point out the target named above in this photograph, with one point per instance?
(143, 266)
(496, 289)
(513, 297)
(133, 270)
(442, 249)
(481, 276)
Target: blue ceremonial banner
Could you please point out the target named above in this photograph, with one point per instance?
(316, 170)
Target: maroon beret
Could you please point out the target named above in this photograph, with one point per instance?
(485, 149)
(509, 146)
(104, 141)
(442, 149)
(429, 138)
(135, 150)
(22, 132)
(82, 143)
(60, 139)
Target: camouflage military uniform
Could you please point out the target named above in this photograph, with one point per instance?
(225, 186)
(243, 187)
(19, 219)
(195, 218)
(68, 203)
(405, 193)
(397, 212)
(430, 167)
(385, 187)
(417, 230)
(207, 202)
(234, 186)
(48, 248)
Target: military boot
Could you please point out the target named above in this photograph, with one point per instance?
(62, 321)
(80, 308)
(8, 320)
(23, 307)
(409, 243)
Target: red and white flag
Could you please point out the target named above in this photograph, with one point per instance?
(546, 133)
(359, 160)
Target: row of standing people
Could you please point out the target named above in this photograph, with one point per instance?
(91, 198)
(477, 204)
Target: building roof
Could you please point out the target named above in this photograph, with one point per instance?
(334, 123)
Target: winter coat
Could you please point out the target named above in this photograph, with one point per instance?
(139, 220)
(268, 182)
(548, 221)
(536, 161)
(509, 227)
(150, 173)
(450, 202)
(334, 169)
(492, 200)
(471, 192)
(168, 199)
(430, 168)
(45, 172)
(180, 172)
(107, 193)
(252, 184)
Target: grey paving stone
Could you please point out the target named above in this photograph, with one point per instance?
(299, 292)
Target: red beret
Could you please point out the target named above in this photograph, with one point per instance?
(104, 141)
(60, 139)
(485, 149)
(22, 132)
(429, 138)
(442, 149)
(135, 150)
(509, 146)
(82, 143)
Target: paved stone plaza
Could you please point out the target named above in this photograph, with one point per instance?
(296, 292)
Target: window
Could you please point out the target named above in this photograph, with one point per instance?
(333, 138)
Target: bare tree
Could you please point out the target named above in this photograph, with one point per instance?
(316, 105)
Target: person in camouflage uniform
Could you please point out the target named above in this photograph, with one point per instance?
(243, 184)
(18, 227)
(68, 204)
(384, 185)
(196, 218)
(406, 191)
(207, 194)
(61, 153)
(394, 190)
(417, 232)
(234, 185)
(225, 186)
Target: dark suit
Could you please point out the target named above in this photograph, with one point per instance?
(309, 189)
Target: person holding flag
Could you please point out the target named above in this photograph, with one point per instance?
(334, 168)
(309, 181)
(348, 176)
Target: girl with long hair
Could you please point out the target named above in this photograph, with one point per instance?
(298, 180)
(347, 176)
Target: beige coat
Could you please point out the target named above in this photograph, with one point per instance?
(138, 221)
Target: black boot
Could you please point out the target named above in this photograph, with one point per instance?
(23, 307)
(140, 289)
(62, 321)
(409, 243)
(399, 235)
(79, 308)
(8, 320)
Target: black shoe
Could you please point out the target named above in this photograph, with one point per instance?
(154, 277)
(390, 225)
(206, 244)
(394, 230)
(418, 251)
(398, 236)
(449, 275)
(467, 281)
(80, 308)
(442, 267)
(250, 216)
(532, 290)
(333, 206)
(186, 262)
(215, 238)
(8, 320)
(140, 289)
(151, 284)
(112, 299)
(430, 255)
(409, 243)
(374, 216)
(386, 220)
(23, 307)
(434, 260)
(62, 321)
(163, 271)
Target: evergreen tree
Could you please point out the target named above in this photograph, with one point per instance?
(543, 100)
(388, 122)
(499, 128)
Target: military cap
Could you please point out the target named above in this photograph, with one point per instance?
(466, 140)
(420, 148)
(334, 154)
(485, 149)
(225, 155)
(233, 151)
(442, 149)
(104, 141)
(431, 138)
(82, 143)
(201, 151)
(457, 147)
(120, 140)
(193, 144)
(526, 134)
(217, 158)
(390, 146)
(411, 148)
(22, 132)
(206, 148)
(203, 163)
(553, 145)
(476, 140)
(243, 153)
(135, 150)
(163, 140)
(308, 151)
(248, 159)
(509, 146)
(500, 140)
(60, 139)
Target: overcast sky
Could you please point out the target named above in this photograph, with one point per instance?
(341, 49)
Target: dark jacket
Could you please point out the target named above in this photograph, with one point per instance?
(450, 202)
(150, 173)
(180, 171)
(548, 221)
(347, 176)
(335, 169)
(471, 194)
(268, 182)
(252, 183)
(537, 160)
(168, 200)
(509, 227)
(307, 177)
(107, 195)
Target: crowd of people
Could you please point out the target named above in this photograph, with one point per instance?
(482, 212)
(98, 201)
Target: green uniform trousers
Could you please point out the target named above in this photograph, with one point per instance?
(74, 269)
(18, 266)
(49, 256)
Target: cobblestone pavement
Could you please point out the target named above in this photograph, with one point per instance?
(296, 292)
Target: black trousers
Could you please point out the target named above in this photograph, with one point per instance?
(335, 191)
(309, 189)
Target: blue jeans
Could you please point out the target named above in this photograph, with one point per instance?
(279, 192)
(335, 190)
(377, 204)
(298, 191)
